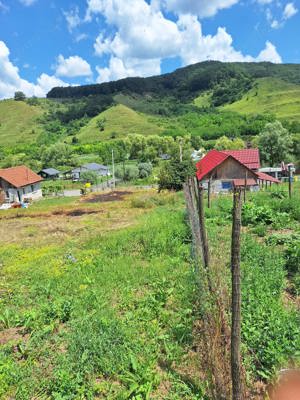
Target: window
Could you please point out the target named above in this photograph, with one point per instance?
(226, 185)
(32, 188)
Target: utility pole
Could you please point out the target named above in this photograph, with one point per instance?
(113, 168)
(237, 390)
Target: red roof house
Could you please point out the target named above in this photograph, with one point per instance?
(248, 157)
(228, 168)
(19, 183)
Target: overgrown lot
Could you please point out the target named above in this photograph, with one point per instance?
(99, 299)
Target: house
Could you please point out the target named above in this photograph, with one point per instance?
(227, 169)
(19, 184)
(224, 171)
(99, 169)
(49, 173)
(249, 157)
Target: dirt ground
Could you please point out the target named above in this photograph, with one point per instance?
(117, 195)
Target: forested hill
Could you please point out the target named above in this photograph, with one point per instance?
(227, 81)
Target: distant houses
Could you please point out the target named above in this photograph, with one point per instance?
(99, 169)
(49, 173)
(224, 170)
(18, 184)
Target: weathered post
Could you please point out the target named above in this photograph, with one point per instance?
(237, 391)
(204, 240)
(290, 181)
(245, 188)
(208, 192)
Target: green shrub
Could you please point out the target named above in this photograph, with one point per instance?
(270, 330)
(260, 230)
(253, 214)
(145, 170)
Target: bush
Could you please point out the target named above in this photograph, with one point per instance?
(260, 230)
(174, 173)
(253, 214)
(89, 176)
(145, 170)
(130, 173)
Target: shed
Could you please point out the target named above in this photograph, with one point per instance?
(49, 173)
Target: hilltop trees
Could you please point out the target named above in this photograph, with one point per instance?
(20, 96)
(274, 143)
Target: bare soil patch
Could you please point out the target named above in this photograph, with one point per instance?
(105, 197)
(12, 335)
(69, 213)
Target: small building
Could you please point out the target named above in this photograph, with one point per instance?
(224, 172)
(281, 173)
(249, 157)
(20, 184)
(99, 169)
(49, 173)
(232, 168)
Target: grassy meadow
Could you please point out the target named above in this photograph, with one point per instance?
(99, 298)
(270, 95)
(118, 122)
(18, 122)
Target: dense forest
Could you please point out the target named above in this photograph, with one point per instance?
(227, 80)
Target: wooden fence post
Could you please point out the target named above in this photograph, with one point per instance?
(204, 240)
(208, 192)
(245, 188)
(237, 392)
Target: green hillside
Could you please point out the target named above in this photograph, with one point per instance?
(270, 95)
(18, 122)
(117, 122)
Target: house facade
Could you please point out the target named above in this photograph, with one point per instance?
(224, 170)
(19, 184)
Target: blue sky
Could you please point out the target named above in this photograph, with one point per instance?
(60, 42)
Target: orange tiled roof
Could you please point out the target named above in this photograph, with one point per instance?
(19, 176)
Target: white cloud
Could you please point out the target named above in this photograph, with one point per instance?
(27, 3)
(81, 36)
(73, 66)
(10, 80)
(139, 44)
(269, 54)
(197, 47)
(46, 82)
(201, 8)
(72, 18)
(289, 11)
(117, 69)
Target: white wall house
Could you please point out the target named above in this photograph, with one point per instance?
(19, 184)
